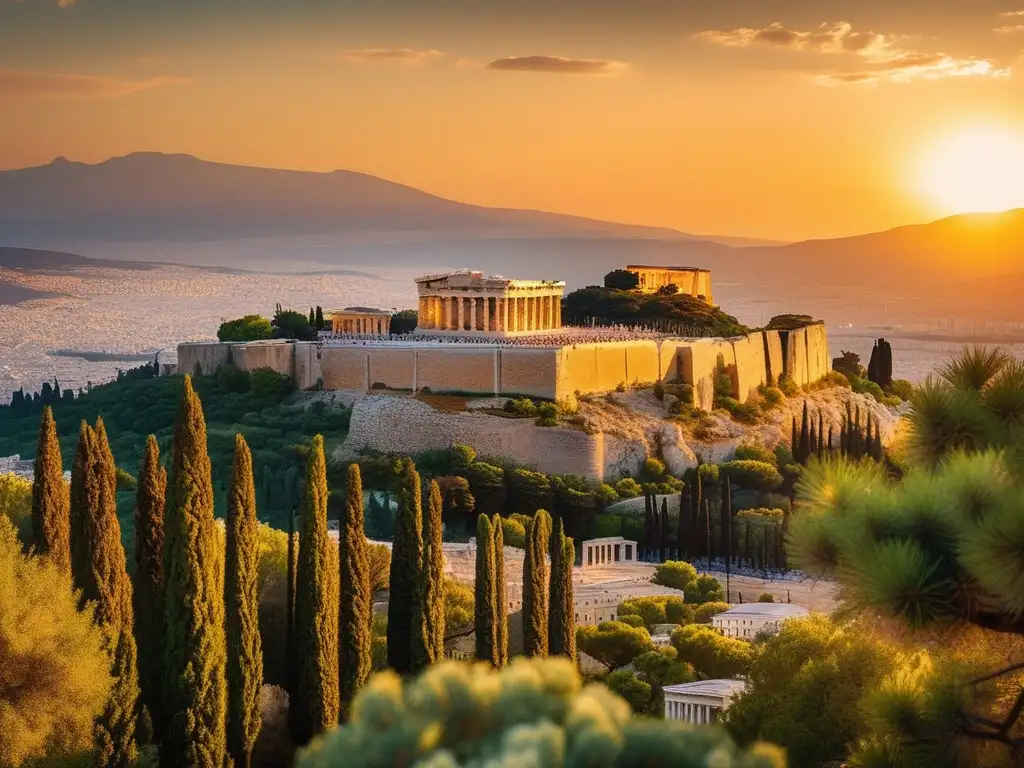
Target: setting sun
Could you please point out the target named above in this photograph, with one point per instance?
(975, 171)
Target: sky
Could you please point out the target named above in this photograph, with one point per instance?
(763, 118)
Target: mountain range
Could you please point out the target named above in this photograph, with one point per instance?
(177, 208)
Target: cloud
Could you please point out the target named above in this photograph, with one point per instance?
(1009, 29)
(1011, 15)
(404, 55)
(882, 56)
(21, 82)
(558, 65)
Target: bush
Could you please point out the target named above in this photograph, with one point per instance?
(891, 401)
(656, 609)
(704, 612)
(684, 392)
(654, 470)
(788, 387)
(613, 643)
(548, 413)
(676, 574)
(628, 488)
(865, 387)
(523, 406)
(746, 413)
(766, 597)
(783, 455)
(513, 532)
(248, 328)
(16, 503)
(268, 383)
(712, 654)
(607, 525)
(706, 590)
(848, 363)
(773, 397)
(622, 280)
(606, 495)
(753, 475)
(125, 481)
(831, 380)
(631, 620)
(621, 387)
(902, 389)
(754, 452)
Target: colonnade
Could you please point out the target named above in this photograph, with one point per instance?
(490, 314)
(367, 325)
(690, 712)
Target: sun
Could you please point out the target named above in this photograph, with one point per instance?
(975, 170)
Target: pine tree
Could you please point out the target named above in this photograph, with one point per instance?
(500, 597)
(485, 589)
(316, 634)
(51, 513)
(406, 636)
(100, 571)
(433, 575)
(355, 609)
(149, 588)
(319, 323)
(195, 655)
(241, 608)
(535, 585)
(562, 632)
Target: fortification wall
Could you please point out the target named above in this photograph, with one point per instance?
(404, 425)
(772, 356)
(345, 368)
(533, 372)
(589, 368)
(805, 353)
(394, 368)
(208, 356)
(751, 366)
(307, 365)
(700, 366)
(277, 355)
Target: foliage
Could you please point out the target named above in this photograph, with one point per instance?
(622, 280)
(500, 620)
(659, 668)
(629, 687)
(522, 406)
(53, 662)
(404, 321)
(51, 514)
(528, 491)
(267, 383)
(562, 610)
(548, 415)
(535, 585)
(628, 488)
(535, 713)
(433, 577)
(513, 533)
(406, 626)
(790, 322)
(241, 611)
(16, 502)
(315, 700)
(835, 380)
(149, 585)
(751, 451)
(613, 643)
(707, 589)
(865, 387)
(289, 324)
(658, 390)
(745, 413)
(247, 328)
(712, 654)
(355, 611)
(766, 597)
(675, 574)
(754, 475)
(485, 594)
(848, 364)
(902, 389)
(806, 686)
(195, 656)
(657, 609)
(703, 613)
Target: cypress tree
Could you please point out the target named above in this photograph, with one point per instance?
(684, 509)
(51, 505)
(485, 589)
(500, 597)
(148, 593)
(562, 631)
(433, 576)
(100, 571)
(241, 607)
(535, 585)
(821, 433)
(698, 497)
(663, 530)
(195, 656)
(355, 608)
(312, 317)
(289, 608)
(648, 526)
(319, 323)
(812, 446)
(830, 448)
(316, 635)
(406, 637)
(877, 450)
(805, 436)
(794, 441)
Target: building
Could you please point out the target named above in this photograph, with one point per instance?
(467, 303)
(362, 321)
(702, 702)
(744, 621)
(612, 549)
(688, 280)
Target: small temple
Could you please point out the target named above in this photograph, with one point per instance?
(365, 321)
(467, 303)
(687, 280)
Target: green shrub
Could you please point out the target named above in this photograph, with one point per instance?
(654, 470)
(766, 597)
(754, 452)
(891, 401)
(548, 413)
(754, 475)
(248, 328)
(676, 574)
(747, 413)
(607, 525)
(621, 387)
(865, 387)
(125, 481)
(656, 609)
(267, 383)
(902, 389)
(514, 532)
(522, 406)
(606, 495)
(684, 392)
(628, 488)
(631, 620)
(704, 612)
(762, 513)
(707, 589)
(783, 455)
(709, 474)
(831, 380)
(771, 397)
(788, 387)
(659, 390)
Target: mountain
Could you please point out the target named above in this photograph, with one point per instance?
(156, 197)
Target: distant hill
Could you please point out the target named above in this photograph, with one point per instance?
(156, 197)
(37, 260)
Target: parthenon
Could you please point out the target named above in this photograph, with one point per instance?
(364, 321)
(466, 302)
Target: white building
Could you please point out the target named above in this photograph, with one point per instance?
(744, 621)
(700, 703)
(607, 551)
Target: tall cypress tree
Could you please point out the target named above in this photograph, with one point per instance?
(241, 607)
(100, 571)
(805, 436)
(355, 609)
(406, 635)
(51, 512)
(562, 632)
(433, 576)
(535, 585)
(316, 699)
(195, 656)
(291, 663)
(483, 611)
(663, 530)
(500, 597)
(149, 587)
(698, 499)
(681, 531)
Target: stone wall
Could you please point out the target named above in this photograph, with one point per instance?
(589, 368)
(405, 425)
(805, 353)
(276, 355)
(207, 356)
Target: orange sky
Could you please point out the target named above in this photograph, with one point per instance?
(772, 119)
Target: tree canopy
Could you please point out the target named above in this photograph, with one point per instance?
(247, 328)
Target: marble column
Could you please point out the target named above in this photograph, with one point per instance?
(558, 311)
(487, 313)
(462, 313)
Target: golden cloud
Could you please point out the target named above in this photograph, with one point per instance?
(558, 65)
(22, 82)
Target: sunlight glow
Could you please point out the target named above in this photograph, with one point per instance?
(976, 170)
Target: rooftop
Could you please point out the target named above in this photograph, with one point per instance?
(764, 611)
(359, 311)
(725, 689)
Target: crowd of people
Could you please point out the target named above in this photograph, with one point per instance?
(562, 337)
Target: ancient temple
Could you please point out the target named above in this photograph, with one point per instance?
(364, 321)
(689, 280)
(467, 303)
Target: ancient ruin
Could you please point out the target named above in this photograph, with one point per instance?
(688, 280)
(360, 320)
